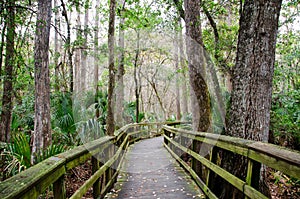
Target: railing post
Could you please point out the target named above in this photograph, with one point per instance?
(96, 185)
(180, 142)
(108, 172)
(212, 158)
(196, 165)
(253, 174)
(166, 134)
(59, 189)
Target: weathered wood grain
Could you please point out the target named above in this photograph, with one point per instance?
(150, 172)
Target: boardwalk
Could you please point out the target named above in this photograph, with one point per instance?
(149, 171)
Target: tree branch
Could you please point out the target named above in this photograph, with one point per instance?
(61, 35)
(178, 5)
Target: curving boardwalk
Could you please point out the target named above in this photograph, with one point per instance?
(149, 171)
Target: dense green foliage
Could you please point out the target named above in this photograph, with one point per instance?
(285, 119)
(285, 113)
(130, 112)
(17, 154)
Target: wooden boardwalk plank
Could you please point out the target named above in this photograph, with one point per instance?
(149, 171)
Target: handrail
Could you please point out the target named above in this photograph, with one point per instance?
(276, 157)
(35, 180)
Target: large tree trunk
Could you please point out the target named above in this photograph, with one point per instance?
(137, 90)
(199, 89)
(56, 47)
(78, 56)
(177, 79)
(42, 122)
(8, 75)
(96, 58)
(184, 89)
(120, 74)
(202, 114)
(111, 61)
(249, 114)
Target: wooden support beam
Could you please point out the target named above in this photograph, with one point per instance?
(96, 185)
(59, 189)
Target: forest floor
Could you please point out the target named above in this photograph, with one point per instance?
(76, 177)
(281, 186)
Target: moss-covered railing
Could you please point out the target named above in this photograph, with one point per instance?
(278, 158)
(107, 154)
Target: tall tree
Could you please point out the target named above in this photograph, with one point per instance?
(177, 79)
(249, 115)
(111, 67)
(78, 54)
(84, 51)
(199, 89)
(56, 45)
(96, 56)
(184, 90)
(136, 82)
(68, 46)
(8, 74)
(42, 122)
(3, 30)
(121, 71)
(96, 47)
(196, 59)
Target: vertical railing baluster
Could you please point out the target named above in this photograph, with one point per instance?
(253, 174)
(196, 165)
(59, 189)
(108, 170)
(180, 142)
(165, 133)
(96, 185)
(212, 158)
(249, 174)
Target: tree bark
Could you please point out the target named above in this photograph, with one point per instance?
(201, 115)
(3, 30)
(56, 47)
(96, 59)
(78, 56)
(111, 62)
(84, 66)
(199, 89)
(249, 114)
(42, 121)
(160, 101)
(184, 89)
(8, 75)
(120, 73)
(137, 90)
(177, 79)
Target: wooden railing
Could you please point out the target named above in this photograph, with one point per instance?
(107, 154)
(278, 158)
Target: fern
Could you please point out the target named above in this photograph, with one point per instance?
(52, 150)
(17, 154)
